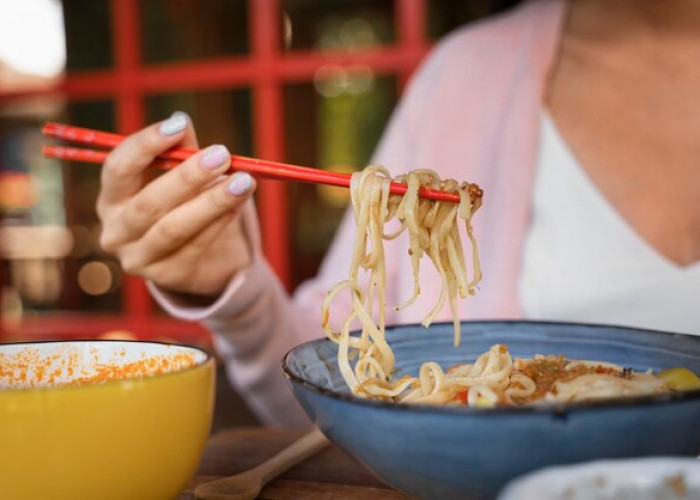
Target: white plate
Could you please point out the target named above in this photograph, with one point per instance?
(633, 479)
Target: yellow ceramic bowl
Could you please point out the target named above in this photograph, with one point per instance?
(102, 419)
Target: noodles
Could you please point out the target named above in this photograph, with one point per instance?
(433, 230)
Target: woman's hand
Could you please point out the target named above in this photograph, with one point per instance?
(182, 230)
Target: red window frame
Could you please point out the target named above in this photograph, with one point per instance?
(265, 71)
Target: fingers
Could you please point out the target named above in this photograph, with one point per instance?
(175, 226)
(217, 253)
(122, 171)
(182, 224)
(167, 192)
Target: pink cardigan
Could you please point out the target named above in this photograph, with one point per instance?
(470, 113)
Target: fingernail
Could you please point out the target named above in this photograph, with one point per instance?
(180, 113)
(175, 124)
(214, 157)
(240, 183)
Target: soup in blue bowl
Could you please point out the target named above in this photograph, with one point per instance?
(469, 453)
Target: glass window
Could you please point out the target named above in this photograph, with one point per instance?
(93, 279)
(220, 117)
(50, 231)
(346, 25)
(344, 114)
(88, 34)
(34, 236)
(175, 30)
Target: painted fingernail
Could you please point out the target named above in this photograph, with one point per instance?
(180, 113)
(240, 183)
(214, 157)
(175, 124)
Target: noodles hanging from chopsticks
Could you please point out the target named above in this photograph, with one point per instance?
(433, 231)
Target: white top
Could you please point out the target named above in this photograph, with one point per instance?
(583, 262)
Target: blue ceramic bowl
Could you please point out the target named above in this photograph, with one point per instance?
(464, 453)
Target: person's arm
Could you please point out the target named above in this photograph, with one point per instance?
(184, 233)
(192, 234)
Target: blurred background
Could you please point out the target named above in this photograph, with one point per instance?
(310, 82)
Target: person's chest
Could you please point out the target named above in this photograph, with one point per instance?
(634, 125)
(583, 262)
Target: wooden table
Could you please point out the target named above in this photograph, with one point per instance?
(331, 474)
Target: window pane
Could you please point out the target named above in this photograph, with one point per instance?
(339, 130)
(88, 34)
(34, 236)
(446, 15)
(339, 25)
(176, 30)
(93, 279)
(50, 231)
(220, 117)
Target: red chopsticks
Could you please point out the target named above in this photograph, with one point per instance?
(173, 157)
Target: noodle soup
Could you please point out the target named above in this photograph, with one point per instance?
(433, 231)
(457, 451)
(496, 379)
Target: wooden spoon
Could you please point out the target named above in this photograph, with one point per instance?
(247, 485)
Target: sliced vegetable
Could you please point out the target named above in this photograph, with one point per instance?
(680, 379)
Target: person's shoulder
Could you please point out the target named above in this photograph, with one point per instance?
(483, 50)
(495, 37)
(469, 73)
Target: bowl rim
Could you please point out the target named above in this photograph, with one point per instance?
(208, 357)
(551, 409)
